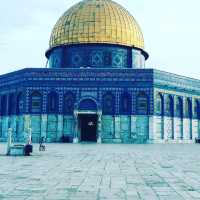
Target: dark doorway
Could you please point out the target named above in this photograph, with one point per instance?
(88, 127)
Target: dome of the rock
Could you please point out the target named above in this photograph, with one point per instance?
(97, 21)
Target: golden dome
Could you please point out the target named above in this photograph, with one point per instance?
(97, 21)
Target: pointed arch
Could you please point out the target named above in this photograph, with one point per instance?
(19, 104)
(142, 104)
(52, 105)
(179, 107)
(125, 103)
(36, 102)
(188, 108)
(68, 103)
(4, 105)
(88, 104)
(108, 103)
(169, 106)
(197, 109)
(11, 104)
(159, 104)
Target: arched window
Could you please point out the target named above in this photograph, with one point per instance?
(11, 104)
(20, 104)
(197, 109)
(108, 104)
(125, 103)
(52, 102)
(142, 104)
(169, 106)
(159, 104)
(69, 100)
(179, 107)
(36, 102)
(4, 105)
(188, 108)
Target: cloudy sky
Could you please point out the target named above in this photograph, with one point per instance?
(171, 30)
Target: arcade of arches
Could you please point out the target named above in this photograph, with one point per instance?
(114, 119)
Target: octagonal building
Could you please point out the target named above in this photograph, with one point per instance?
(96, 88)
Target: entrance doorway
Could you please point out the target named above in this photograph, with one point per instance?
(88, 127)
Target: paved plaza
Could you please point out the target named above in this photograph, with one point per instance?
(100, 172)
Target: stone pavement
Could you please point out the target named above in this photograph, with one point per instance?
(100, 172)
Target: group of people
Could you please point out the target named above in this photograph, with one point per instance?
(29, 147)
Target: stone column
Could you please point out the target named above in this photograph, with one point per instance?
(5, 120)
(198, 128)
(44, 126)
(7, 104)
(59, 128)
(117, 105)
(29, 141)
(75, 139)
(194, 129)
(9, 141)
(134, 127)
(186, 129)
(168, 121)
(117, 127)
(5, 127)
(1, 133)
(99, 128)
(14, 119)
(152, 130)
(27, 125)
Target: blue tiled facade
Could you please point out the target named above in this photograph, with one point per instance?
(79, 83)
(95, 56)
(126, 98)
(91, 82)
